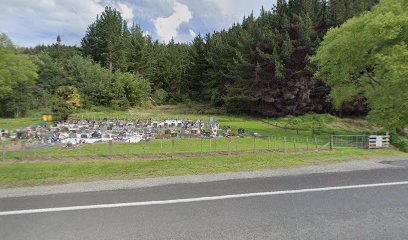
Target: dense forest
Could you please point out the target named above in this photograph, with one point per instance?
(260, 66)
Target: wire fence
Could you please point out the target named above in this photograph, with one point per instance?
(349, 141)
(163, 148)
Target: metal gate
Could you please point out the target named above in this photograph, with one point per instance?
(349, 141)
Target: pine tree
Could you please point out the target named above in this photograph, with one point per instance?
(105, 41)
(197, 68)
(137, 44)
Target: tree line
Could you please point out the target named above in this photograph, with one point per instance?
(261, 66)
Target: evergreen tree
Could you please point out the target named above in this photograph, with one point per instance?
(195, 73)
(105, 40)
(137, 44)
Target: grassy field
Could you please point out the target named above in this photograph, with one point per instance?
(32, 174)
(166, 148)
(33, 118)
(181, 111)
(13, 123)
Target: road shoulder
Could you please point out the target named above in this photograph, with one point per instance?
(355, 165)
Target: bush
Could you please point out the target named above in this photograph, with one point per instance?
(65, 101)
(120, 104)
(133, 87)
(159, 96)
(399, 141)
(60, 109)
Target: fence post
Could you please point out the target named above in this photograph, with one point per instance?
(236, 144)
(130, 150)
(315, 141)
(269, 143)
(23, 148)
(229, 147)
(201, 142)
(110, 149)
(215, 145)
(173, 142)
(284, 144)
(274, 142)
(294, 144)
(307, 144)
(144, 147)
(254, 144)
(3, 148)
(331, 142)
(161, 146)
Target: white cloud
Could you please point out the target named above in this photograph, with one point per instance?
(226, 6)
(33, 22)
(27, 18)
(237, 9)
(167, 27)
(192, 33)
(30, 23)
(125, 10)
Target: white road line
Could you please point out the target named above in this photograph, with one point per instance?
(200, 199)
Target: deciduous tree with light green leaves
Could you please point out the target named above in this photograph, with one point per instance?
(368, 55)
(17, 77)
(66, 101)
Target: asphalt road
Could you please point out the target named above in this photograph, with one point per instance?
(315, 206)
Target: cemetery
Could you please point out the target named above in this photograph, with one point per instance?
(164, 134)
(143, 138)
(73, 132)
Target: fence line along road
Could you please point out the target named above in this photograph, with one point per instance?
(163, 148)
(360, 141)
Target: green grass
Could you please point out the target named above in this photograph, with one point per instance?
(45, 173)
(13, 123)
(181, 111)
(165, 148)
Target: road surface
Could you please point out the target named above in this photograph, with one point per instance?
(370, 204)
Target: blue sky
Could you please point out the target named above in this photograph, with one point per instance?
(33, 22)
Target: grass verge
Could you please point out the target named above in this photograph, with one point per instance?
(165, 147)
(32, 174)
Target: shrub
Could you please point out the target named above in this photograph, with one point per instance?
(120, 104)
(159, 96)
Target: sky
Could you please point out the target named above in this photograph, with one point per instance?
(32, 22)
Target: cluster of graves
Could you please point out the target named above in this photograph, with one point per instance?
(87, 131)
